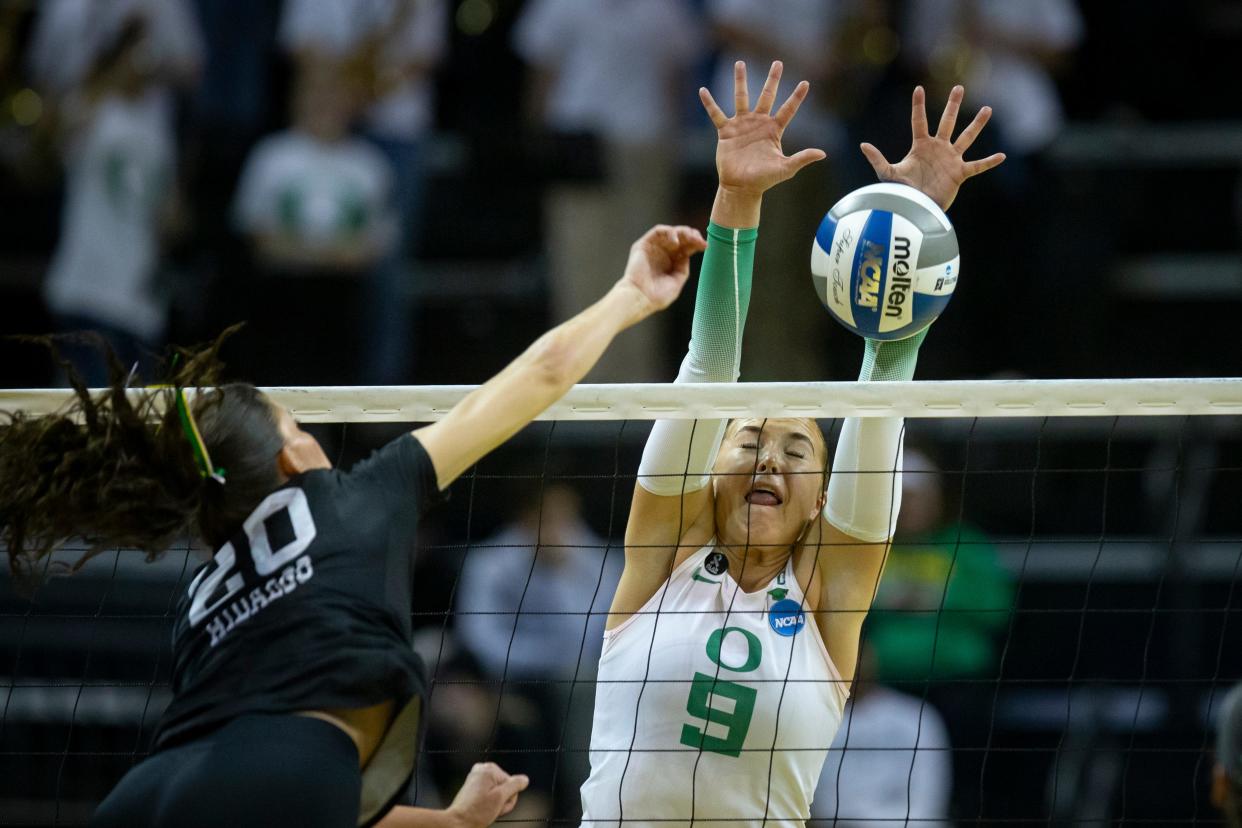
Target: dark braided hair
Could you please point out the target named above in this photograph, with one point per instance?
(117, 470)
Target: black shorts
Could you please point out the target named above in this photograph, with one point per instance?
(254, 771)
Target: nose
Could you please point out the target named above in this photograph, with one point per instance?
(768, 462)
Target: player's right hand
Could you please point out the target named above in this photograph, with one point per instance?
(749, 157)
(487, 794)
(659, 264)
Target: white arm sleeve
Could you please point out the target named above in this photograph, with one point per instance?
(864, 490)
(679, 454)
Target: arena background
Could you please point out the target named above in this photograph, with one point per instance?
(1111, 251)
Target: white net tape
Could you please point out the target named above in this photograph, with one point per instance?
(981, 398)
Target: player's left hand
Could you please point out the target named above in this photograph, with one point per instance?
(934, 163)
(487, 794)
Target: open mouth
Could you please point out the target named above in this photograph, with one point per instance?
(760, 496)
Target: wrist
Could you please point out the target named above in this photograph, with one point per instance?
(942, 200)
(627, 304)
(892, 360)
(736, 208)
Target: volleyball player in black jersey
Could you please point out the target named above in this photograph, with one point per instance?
(297, 697)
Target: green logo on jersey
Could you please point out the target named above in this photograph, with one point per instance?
(697, 577)
(705, 690)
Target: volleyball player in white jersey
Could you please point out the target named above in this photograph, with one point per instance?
(734, 631)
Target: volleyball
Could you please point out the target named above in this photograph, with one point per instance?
(885, 261)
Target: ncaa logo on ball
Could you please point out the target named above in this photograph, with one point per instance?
(869, 275)
(884, 261)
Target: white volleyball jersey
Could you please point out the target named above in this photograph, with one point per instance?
(712, 705)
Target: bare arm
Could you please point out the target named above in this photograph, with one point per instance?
(487, 794)
(848, 572)
(405, 816)
(658, 267)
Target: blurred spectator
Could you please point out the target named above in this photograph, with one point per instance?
(610, 81)
(943, 591)
(84, 50)
(234, 103)
(239, 100)
(940, 611)
(25, 152)
(813, 39)
(890, 765)
(391, 47)
(523, 608)
(1227, 770)
(1005, 54)
(794, 32)
(530, 608)
(316, 205)
(110, 70)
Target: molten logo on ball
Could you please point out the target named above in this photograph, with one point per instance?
(900, 284)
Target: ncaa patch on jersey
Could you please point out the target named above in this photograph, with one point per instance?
(786, 617)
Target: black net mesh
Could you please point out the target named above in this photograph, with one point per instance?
(1051, 639)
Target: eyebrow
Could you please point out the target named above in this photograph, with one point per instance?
(796, 434)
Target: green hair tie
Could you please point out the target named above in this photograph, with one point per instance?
(201, 457)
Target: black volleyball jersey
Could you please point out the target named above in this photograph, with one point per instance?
(308, 607)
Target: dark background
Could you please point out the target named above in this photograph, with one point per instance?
(1122, 536)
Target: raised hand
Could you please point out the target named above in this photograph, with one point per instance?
(934, 163)
(659, 263)
(749, 157)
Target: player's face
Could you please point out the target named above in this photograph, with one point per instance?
(301, 452)
(769, 480)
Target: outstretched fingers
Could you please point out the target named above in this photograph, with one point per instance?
(878, 162)
(948, 118)
(972, 130)
(918, 114)
(973, 168)
(712, 108)
(790, 107)
(767, 97)
(804, 158)
(741, 95)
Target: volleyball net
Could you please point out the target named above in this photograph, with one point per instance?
(1049, 644)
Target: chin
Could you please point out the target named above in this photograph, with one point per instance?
(767, 530)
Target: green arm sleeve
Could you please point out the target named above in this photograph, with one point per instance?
(722, 302)
(891, 361)
(679, 453)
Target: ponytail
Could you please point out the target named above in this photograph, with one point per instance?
(119, 471)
